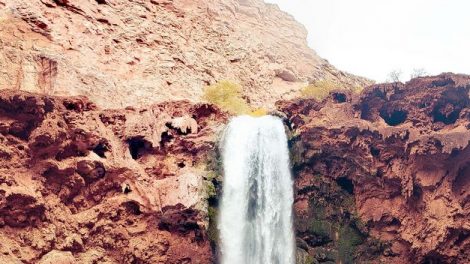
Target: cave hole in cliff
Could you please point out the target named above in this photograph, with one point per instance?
(395, 222)
(394, 118)
(166, 138)
(446, 114)
(339, 97)
(72, 106)
(133, 208)
(138, 147)
(455, 152)
(366, 112)
(416, 195)
(459, 236)
(101, 149)
(346, 184)
(433, 258)
(375, 152)
(202, 111)
(417, 191)
(101, 2)
(451, 103)
(462, 181)
(463, 236)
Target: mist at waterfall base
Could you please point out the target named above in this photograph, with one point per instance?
(255, 220)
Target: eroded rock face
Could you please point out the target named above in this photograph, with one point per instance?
(392, 164)
(83, 185)
(133, 53)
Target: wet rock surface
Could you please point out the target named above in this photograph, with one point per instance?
(383, 177)
(79, 184)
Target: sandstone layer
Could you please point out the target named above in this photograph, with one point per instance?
(379, 177)
(130, 174)
(133, 53)
(84, 185)
(384, 177)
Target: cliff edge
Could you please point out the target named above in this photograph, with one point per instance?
(135, 53)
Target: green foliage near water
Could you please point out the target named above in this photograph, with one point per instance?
(348, 241)
(212, 167)
(335, 226)
(320, 228)
(212, 231)
(310, 260)
(228, 96)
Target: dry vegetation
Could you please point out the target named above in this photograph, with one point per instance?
(228, 96)
(319, 90)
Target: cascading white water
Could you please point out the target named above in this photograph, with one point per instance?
(255, 220)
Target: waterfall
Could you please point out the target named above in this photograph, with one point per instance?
(255, 220)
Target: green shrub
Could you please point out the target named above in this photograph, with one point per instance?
(213, 232)
(227, 95)
(349, 239)
(320, 228)
(310, 260)
(319, 90)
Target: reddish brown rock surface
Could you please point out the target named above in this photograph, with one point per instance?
(392, 164)
(384, 176)
(146, 51)
(84, 185)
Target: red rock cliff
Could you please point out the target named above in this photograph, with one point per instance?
(147, 51)
(84, 185)
(380, 177)
(392, 164)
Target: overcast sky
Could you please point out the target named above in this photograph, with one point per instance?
(371, 38)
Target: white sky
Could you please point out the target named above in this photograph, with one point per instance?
(371, 38)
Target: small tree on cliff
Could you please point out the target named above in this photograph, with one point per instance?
(394, 76)
(419, 72)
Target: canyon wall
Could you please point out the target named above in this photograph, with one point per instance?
(108, 155)
(384, 177)
(83, 185)
(145, 51)
(380, 177)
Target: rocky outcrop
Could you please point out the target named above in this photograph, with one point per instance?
(83, 185)
(381, 177)
(384, 176)
(147, 51)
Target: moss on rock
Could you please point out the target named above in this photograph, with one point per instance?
(331, 229)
